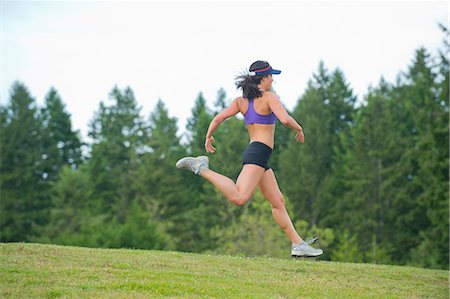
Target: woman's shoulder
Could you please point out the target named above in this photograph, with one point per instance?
(240, 100)
(270, 95)
(242, 103)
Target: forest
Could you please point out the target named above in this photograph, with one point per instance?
(371, 179)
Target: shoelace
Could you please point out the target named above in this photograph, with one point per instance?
(191, 166)
(311, 240)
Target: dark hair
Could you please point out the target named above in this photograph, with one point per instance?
(248, 82)
(249, 85)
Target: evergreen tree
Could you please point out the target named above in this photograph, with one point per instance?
(164, 141)
(347, 249)
(200, 211)
(411, 184)
(141, 230)
(324, 111)
(70, 214)
(158, 182)
(430, 153)
(24, 192)
(362, 205)
(393, 175)
(221, 99)
(119, 140)
(61, 145)
(197, 126)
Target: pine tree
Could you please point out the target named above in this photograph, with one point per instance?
(69, 214)
(324, 111)
(347, 249)
(158, 182)
(430, 153)
(362, 203)
(164, 141)
(197, 126)
(119, 140)
(24, 191)
(393, 173)
(303, 166)
(200, 211)
(221, 99)
(61, 145)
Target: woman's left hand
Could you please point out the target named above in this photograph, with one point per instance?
(299, 136)
(208, 145)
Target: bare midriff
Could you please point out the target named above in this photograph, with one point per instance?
(262, 133)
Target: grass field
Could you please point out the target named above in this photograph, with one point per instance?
(49, 271)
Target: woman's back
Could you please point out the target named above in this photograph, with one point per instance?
(259, 108)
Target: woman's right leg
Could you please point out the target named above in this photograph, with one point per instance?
(269, 188)
(246, 183)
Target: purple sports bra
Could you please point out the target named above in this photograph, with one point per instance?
(252, 117)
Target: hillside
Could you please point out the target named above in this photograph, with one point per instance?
(50, 271)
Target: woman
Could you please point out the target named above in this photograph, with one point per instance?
(260, 107)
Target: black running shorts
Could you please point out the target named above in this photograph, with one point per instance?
(257, 153)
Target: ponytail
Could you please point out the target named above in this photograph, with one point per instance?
(249, 85)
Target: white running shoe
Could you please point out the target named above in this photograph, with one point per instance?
(305, 250)
(194, 164)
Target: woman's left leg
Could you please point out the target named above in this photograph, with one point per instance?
(269, 188)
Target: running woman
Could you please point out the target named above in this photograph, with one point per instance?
(261, 108)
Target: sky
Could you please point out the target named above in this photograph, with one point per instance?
(174, 50)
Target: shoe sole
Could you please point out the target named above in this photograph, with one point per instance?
(299, 256)
(306, 255)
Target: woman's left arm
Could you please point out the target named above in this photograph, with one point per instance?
(232, 110)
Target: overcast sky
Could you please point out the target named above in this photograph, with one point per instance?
(174, 50)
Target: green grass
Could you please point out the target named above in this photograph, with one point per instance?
(49, 271)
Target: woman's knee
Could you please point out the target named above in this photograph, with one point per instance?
(240, 199)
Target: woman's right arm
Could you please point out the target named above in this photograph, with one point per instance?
(232, 110)
(284, 117)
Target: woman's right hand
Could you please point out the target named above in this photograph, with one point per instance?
(299, 136)
(208, 145)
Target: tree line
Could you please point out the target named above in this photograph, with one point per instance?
(371, 179)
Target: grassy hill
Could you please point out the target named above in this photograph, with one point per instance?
(49, 271)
